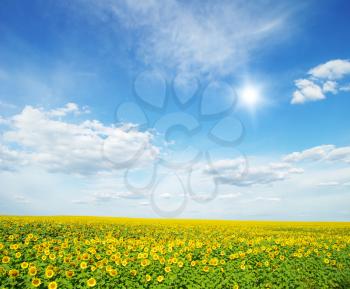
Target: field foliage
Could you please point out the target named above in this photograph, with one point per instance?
(83, 252)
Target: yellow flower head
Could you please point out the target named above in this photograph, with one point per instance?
(6, 259)
(214, 262)
(49, 273)
(13, 273)
(160, 278)
(148, 278)
(91, 282)
(144, 262)
(69, 274)
(113, 272)
(83, 265)
(32, 271)
(36, 282)
(52, 285)
(167, 269)
(24, 265)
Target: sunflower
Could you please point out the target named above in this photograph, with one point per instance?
(24, 265)
(144, 262)
(91, 282)
(69, 274)
(214, 262)
(148, 278)
(36, 282)
(160, 278)
(6, 259)
(52, 285)
(32, 271)
(124, 263)
(167, 269)
(113, 272)
(49, 273)
(13, 273)
(83, 265)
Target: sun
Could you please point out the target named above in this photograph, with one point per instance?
(249, 97)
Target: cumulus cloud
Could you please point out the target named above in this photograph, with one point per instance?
(307, 91)
(67, 109)
(321, 153)
(313, 154)
(333, 69)
(330, 86)
(229, 172)
(10, 158)
(83, 148)
(324, 78)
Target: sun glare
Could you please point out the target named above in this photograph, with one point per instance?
(249, 97)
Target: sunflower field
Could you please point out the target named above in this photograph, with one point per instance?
(91, 252)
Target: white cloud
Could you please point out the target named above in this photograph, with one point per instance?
(84, 148)
(269, 199)
(321, 153)
(333, 69)
(314, 154)
(144, 203)
(345, 88)
(324, 78)
(10, 159)
(307, 91)
(229, 172)
(330, 86)
(197, 37)
(328, 184)
(21, 199)
(165, 195)
(340, 154)
(67, 109)
(229, 196)
(7, 105)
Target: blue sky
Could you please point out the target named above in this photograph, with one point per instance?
(92, 123)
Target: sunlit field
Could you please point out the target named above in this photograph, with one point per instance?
(81, 252)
